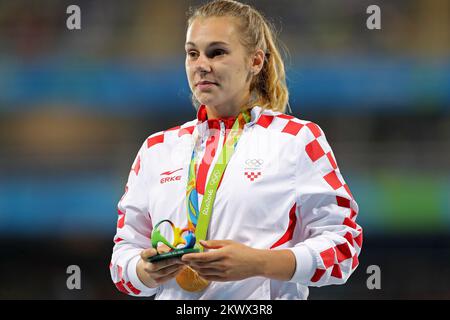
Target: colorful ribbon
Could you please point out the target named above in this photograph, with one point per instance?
(197, 222)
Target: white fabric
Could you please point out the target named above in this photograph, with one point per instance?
(255, 213)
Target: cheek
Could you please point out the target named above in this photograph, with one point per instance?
(239, 72)
(238, 77)
(190, 75)
(232, 75)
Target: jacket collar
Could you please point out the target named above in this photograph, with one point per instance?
(204, 123)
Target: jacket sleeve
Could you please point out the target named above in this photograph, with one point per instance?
(331, 239)
(134, 227)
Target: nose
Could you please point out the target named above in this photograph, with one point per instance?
(202, 64)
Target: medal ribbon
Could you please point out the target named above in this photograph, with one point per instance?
(198, 220)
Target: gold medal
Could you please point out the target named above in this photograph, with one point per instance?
(189, 280)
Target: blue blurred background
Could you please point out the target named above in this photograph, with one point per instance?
(75, 107)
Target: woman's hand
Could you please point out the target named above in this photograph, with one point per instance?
(157, 273)
(230, 261)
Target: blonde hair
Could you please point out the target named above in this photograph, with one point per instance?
(269, 85)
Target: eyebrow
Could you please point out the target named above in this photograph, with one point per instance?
(210, 44)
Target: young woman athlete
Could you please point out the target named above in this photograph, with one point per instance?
(280, 216)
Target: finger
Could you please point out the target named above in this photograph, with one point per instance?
(209, 272)
(164, 272)
(202, 257)
(162, 248)
(147, 253)
(214, 244)
(215, 278)
(159, 265)
(168, 276)
(150, 252)
(200, 265)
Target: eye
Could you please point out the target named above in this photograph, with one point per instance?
(219, 52)
(216, 52)
(192, 54)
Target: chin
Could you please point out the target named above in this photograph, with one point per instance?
(204, 99)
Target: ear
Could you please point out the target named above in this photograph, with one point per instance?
(257, 61)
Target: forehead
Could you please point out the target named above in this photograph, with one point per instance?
(203, 31)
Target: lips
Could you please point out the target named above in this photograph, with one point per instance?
(204, 83)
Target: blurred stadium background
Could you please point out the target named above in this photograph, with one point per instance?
(76, 105)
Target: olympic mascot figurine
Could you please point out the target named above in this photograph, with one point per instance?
(188, 279)
(187, 240)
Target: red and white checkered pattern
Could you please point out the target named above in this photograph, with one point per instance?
(121, 284)
(312, 211)
(343, 255)
(252, 176)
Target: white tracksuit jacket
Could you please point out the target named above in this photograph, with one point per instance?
(282, 189)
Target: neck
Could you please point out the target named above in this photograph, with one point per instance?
(216, 112)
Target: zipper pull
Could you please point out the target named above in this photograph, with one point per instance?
(222, 133)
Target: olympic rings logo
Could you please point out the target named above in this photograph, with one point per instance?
(254, 163)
